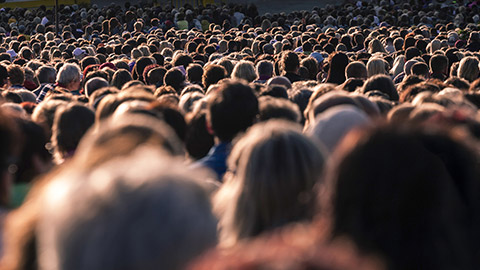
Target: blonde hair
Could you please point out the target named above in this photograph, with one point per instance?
(375, 66)
(272, 173)
(468, 68)
(376, 46)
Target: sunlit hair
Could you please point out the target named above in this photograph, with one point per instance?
(376, 46)
(120, 135)
(375, 66)
(244, 70)
(468, 68)
(143, 211)
(273, 171)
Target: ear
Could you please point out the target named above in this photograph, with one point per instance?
(208, 125)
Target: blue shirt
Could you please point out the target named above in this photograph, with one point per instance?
(216, 159)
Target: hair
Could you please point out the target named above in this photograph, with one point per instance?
(376, 66)
(336, 71)
(275, 170)
(278, 108)
(311, 65)
(212, 74)
(121, 77)
(231, 109)
(174, 225)
(357, 70)
(290, 61)
(94, 84)
(198, 141)
(375, 46)
(70, 124)
(264, 67)
(68, 73)
(382, 83)
(468, 68)
(174, 78)
(9, 134)
(244, 70)
(194, 73)
(16, 75)
(46, 74)
(439, 63)
(420, 69)
(422, 219)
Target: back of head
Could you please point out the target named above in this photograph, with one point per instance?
(468, 68)
(356, 70)
(382, 83)
(290, 61)
(405, 206)
(69, 126)
(144, 211)
(232, 109)
(276, 168)
(94, 84)
(46, 74)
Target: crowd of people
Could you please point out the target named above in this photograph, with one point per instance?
(160, 137)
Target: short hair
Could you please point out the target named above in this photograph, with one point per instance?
(212, 74)
(16, 75)
(438, 63)
(194, 73)
(382, 83)
(174, 225)
(264, 67)
(94, 84)
(274, 165)
(174, 78)
(46, 74)
(68, 73)
(420, 69)
(121, 77)
(290, 61)
(70, 124)
(356, 69)
(244, 70)
(278, 108)
(231, 109)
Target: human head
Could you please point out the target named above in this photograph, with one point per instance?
(69, 76)
(468, 68)
(356, 69)
(94, 84)
(46, 74)
(16, 75)
(232, 109)
(244, 70)
(275, 170)
(96, 216)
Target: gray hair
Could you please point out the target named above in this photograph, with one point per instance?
(68, 73)
(144, 211)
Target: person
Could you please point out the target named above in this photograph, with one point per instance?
(46, 77)
(409, 230)
(290, 64)
(69, 79)
(98, 219)
(273, 171)
(230, 110)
